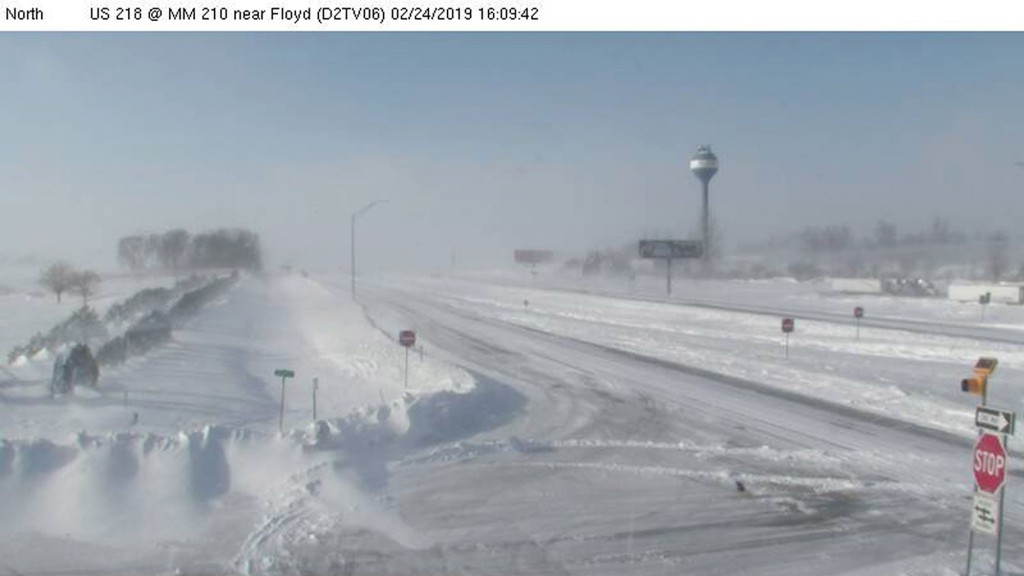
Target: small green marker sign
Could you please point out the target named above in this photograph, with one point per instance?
(284, 373)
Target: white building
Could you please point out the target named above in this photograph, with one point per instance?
(1008, 293)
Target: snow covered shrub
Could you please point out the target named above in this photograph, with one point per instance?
(190, 304)
(149, 332)
(75, 368)
(143, 301)
(82, 326)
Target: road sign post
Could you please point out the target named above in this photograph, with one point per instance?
(284, 375)
(407, 338)
(858, 313)
(989, 462)
(668, 278)
(316, 385)
(999, 534)
(787, 326)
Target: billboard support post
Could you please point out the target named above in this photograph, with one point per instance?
(669, 250)
(668, 278)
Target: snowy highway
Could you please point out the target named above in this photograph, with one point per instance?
(653, 451)
(541, 432)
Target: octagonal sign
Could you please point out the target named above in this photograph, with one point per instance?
(989, 463)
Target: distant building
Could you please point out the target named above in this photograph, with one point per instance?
(1005, 292)
(856, 285)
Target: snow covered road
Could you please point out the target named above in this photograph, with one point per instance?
(572, 434)
(626, 463)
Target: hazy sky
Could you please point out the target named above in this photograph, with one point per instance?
(487, 142)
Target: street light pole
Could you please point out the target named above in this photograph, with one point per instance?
(353, 243)
(356, 215)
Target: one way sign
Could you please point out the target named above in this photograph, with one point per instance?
(999, 421)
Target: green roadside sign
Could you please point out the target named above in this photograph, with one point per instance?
(284, 373)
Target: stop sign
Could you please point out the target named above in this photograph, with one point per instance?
(407, 338)
(989, 463)
(787, 325)
(858, 312)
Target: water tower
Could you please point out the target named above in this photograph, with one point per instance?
(704, 166)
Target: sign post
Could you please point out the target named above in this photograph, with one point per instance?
(316, 385)
(787, 326)
(670, 250)
(668, 278)
(407, 338)
(858, 313)
(284, 375)
(989, 460)
(533, 257)
(990, 464)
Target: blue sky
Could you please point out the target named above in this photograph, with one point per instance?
(488, 142)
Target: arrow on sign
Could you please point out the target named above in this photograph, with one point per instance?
(985, 515)
(1000, 421)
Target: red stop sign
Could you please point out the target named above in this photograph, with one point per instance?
(858, 312)
(787, 325)
(989, 463)
(407, 338)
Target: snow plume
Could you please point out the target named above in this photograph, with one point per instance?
(123, 487)
(148, 488)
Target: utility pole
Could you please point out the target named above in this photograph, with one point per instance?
(316, 385)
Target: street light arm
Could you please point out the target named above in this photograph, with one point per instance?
(352, 229)
(366, 208)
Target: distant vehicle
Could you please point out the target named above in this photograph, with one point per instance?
(909, 287)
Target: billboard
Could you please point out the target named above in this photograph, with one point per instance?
(533, 256)
(674, 249)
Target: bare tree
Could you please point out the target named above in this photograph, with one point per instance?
(886, 234)
(58, 278)
(998, 259)
(85, 283)
(131, 251)
(173, 247)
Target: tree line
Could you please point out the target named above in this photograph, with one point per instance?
(179, 250)
(886, 250)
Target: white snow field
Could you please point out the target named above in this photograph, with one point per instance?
(545, 431)
(204, 475)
